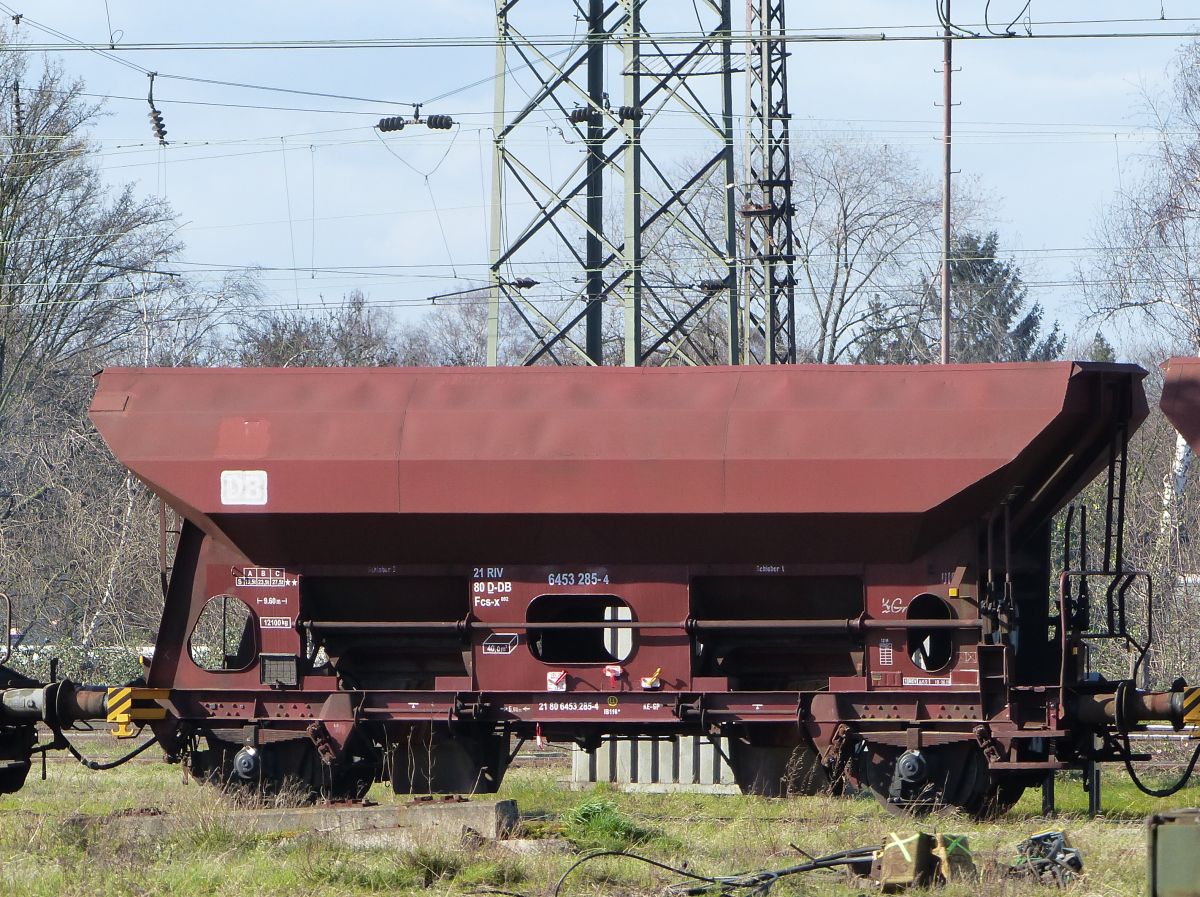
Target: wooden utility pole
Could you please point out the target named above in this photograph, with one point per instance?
(947, 132)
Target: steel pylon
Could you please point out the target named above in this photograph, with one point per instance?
(640, 221)
(768, 272)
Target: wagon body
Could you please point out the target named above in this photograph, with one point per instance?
(830, 560)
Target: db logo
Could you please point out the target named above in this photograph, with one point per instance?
(243, 487)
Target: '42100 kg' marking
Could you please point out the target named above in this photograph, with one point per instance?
(582, 578)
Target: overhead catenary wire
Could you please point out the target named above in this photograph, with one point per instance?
(381, 273)
(853, 34)
(1106, 129)
(1094, 139)
(71, 42)
(1067, 128)
(1060, 252)
(570, 293)
(76, 43)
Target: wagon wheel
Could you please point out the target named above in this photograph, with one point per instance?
(431, 761)
(917, 782)
(288, 771)
(777, 770)
(1001, 797)
(350, 780)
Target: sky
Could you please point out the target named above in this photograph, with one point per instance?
(1048, 130)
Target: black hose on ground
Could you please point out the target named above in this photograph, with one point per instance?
(757, 883)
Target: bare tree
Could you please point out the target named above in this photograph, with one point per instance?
(1170, 554)
(1147, 266)
(1147, 241)
(867, 224)
(78, 533)
(453, 333)
(352, 333)
(68, 244)
(189, 323)
(78, 536)
(85, 281)
(866, 228)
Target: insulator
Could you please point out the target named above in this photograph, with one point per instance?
(630, 113)
(712, 286)
(392, 123)
(439, 122)
(156, 125)
(585, 115)
(524, 283)
(18, 110)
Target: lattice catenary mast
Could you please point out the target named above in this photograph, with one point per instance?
(684, 199)
(768, 272)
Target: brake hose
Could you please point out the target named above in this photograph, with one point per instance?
(111, 764)
(1157, 792)
(1126, 749)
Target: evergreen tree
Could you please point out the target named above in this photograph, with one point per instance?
(990, 320)
(1101, 349)
(990, 316)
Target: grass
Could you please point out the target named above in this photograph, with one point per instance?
(42, 853)
(597, 824)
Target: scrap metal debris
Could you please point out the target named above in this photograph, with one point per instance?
(906, 860)
(1049, 858)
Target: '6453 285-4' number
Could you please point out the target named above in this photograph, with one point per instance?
(583, 578)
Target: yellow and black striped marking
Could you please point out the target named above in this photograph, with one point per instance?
(128, 704)
(1191, 706)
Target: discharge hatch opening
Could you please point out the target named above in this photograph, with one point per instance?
(583, 644)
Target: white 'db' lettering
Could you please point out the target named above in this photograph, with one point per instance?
(243, 487)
